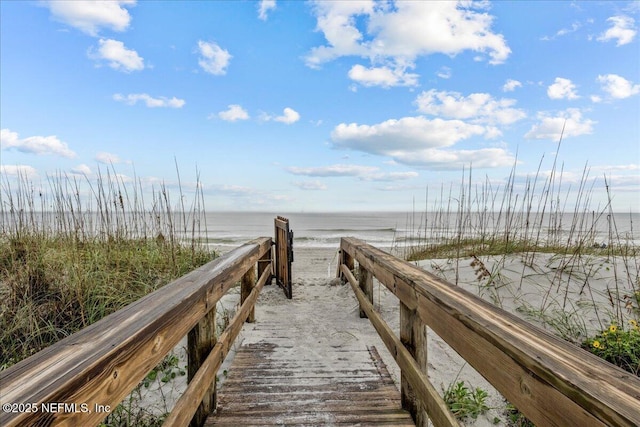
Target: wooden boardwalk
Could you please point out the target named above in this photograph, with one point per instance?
(281, 375)
(307, 362)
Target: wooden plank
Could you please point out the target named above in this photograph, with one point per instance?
(316, 393)
(366, 284)
(433, 403)
(102, 363)
(396, 418)
(284, 255)
(265, 261)
(206, 375)
(413, 335)
(551, 381)
(200, 341)
(246, 286)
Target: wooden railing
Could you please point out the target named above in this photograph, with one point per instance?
(552, 382)
(76, 381)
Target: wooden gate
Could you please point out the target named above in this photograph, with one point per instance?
(284, 254)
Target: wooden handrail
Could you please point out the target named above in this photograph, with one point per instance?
(434, 404)
(188, 402)
(98, 366)
(551, 381)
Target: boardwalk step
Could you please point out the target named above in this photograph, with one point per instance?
(267, 385)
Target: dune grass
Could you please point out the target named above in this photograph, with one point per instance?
(530, 217)
(583, 270)
(75, 250)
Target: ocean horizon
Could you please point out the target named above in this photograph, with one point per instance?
(385, 229)
(393, 229)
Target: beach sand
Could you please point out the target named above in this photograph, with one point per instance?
(513, 284)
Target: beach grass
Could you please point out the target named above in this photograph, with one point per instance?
(73, 250)
(542, 251)
(549, 228)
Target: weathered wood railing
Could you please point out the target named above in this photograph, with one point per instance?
(75, 381)
(552, 382)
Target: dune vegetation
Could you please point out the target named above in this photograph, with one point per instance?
(79, 250)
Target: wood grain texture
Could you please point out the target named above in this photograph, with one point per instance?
(102, 363)
(413, 335)
(264, 387)
(366, 284)
(550, 380)
(246, 286)
(206, 375)
(412, 372)
(200, 341)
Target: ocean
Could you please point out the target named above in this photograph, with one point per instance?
(402, 229)
(387, 230)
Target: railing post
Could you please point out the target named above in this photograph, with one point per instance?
(263, 264)
(347, 260)
(413, 334)
(200, 341)
(248, 283)
(366, 284)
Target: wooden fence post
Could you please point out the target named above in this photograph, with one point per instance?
(263, 263)
(200, 341)
(366, 284)
(413, 334)
(248, 282)
(347, 260)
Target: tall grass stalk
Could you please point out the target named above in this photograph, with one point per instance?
(528, 217)
(73, 250)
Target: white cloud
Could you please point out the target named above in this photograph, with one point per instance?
(478, 107)
(397, 30)
(550, 127)
(395, 34)
(622, 30)
(609, 168)
(333, 170)
(511, 85)
(117, 56)
(264, 7)
(288, 117)
(90, 16)
(390, 176)
(213, 59)
(120, 178)
(626, 183)
(234, 190)
(405, 134)
(382, 76)
(562, 89)
(563, 32)
(618, 87)
(336, 22)
(233, 113)
(250, 196)
(364, 173)
(444, 73)
(149, 101)
(417, 141)
(40, 145)
(310, 185)
(107, 158)
(82, 169)
(456, 159)
(21, 171)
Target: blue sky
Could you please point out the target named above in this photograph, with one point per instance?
(322, 106)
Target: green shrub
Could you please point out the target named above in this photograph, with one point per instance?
(464, 402)
(618, 346)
